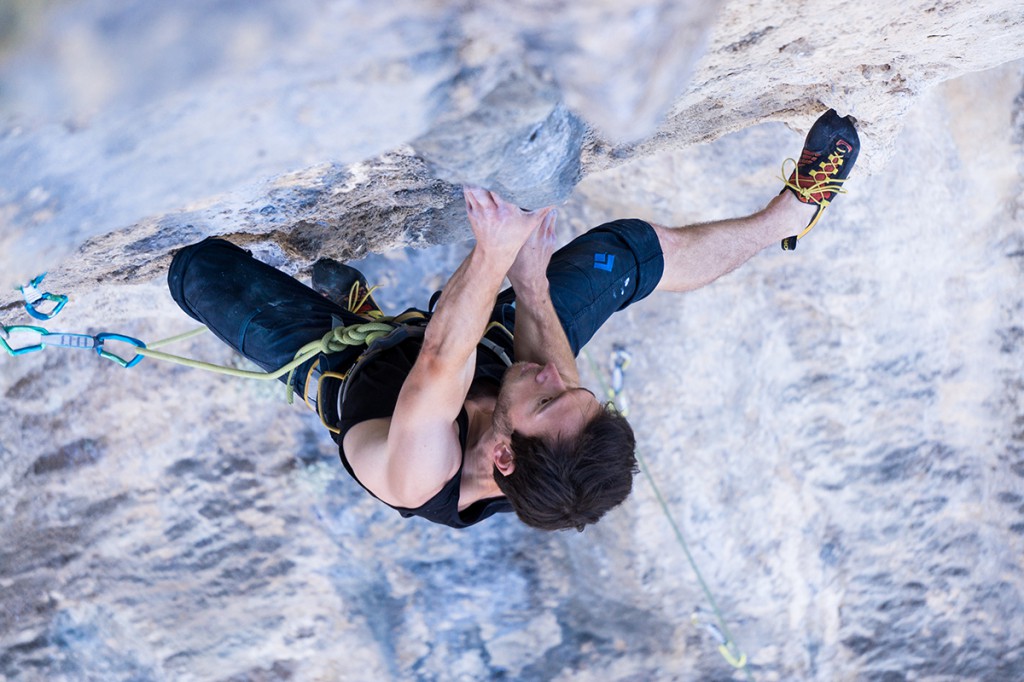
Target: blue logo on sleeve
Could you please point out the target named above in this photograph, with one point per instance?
(604, 261)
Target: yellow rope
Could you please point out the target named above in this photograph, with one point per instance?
(334, 341)
(179, 337)
(338, 339)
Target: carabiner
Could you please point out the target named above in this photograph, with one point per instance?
(618, 362)
(726, 647)
(24, 349)
(104, 337)
(33, 297)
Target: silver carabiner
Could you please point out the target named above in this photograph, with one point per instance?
(618, 362)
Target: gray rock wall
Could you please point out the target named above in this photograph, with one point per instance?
(116, 116)
(836, 430)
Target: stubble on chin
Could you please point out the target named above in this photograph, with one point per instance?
(503, 405)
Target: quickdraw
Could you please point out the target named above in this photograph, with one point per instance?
(618, 363)
(34, 297)
(41, 338)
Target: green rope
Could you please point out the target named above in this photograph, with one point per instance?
(729, 649)
(334, 341)
(179, 337)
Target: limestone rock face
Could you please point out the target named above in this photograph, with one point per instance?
(116, 116)
(837, 431)
(120, 112)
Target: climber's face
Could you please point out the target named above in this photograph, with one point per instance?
(535, 401)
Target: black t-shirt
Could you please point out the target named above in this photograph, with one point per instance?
(372, 393)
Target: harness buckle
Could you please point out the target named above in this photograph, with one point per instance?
(320, 403)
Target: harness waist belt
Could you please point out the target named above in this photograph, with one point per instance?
(324, 390)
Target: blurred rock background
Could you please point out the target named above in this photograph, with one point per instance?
(839, 431)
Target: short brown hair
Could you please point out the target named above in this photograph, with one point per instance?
(573, 481)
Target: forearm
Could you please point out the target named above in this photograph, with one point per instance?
(539, 336)
(421, 447)
(465, 306)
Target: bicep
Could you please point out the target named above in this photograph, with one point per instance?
(423, 450)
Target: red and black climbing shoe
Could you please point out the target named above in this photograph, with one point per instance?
(830, 151)
(346, 286)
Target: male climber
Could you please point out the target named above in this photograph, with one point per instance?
(435, 419)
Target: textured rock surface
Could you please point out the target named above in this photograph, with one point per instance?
(116, 113)
(178, 103)
(838, 431)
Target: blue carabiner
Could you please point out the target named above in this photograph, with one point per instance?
(24, 349)
(101, 338)
(33, 297)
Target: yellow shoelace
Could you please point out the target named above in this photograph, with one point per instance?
(834, 186)
(357, 300)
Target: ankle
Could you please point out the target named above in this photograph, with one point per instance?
(786, 215)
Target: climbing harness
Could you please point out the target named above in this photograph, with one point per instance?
(34, 297)
(618, 362)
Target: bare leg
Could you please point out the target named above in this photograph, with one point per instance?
(699, 254)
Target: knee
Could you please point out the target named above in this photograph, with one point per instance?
(210, 250)
(206, 248)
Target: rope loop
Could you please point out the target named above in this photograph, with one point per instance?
(360, 334)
